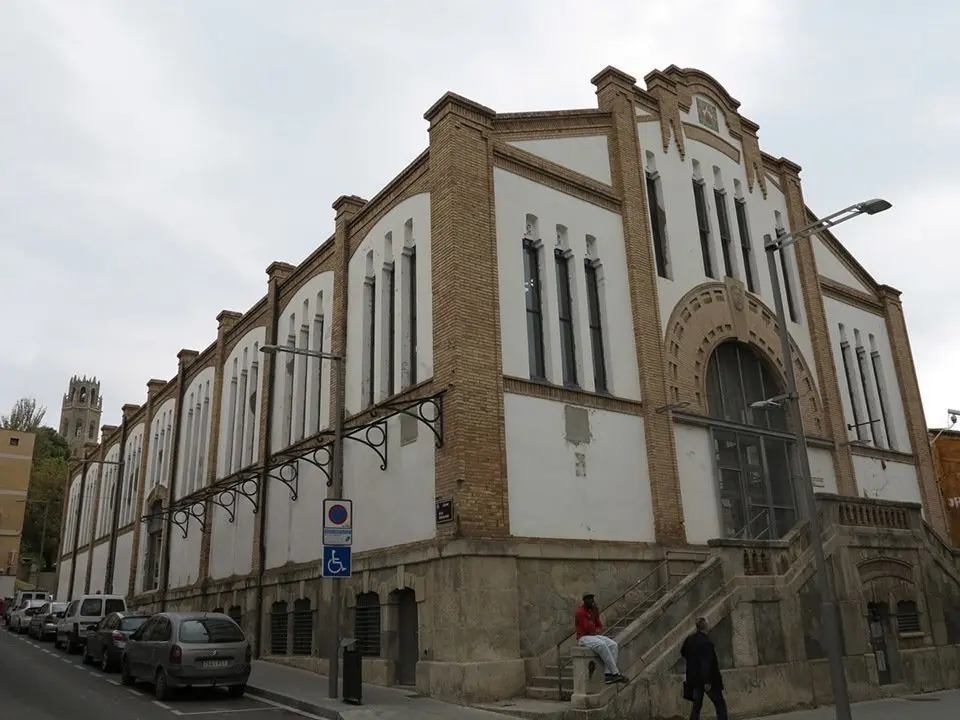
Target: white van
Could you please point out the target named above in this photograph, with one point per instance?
(82, 614)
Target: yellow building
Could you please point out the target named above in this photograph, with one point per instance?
(16, 459)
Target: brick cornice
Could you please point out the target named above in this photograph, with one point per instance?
(851, 296)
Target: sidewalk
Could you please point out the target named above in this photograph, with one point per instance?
(307, 691)
(933, 706)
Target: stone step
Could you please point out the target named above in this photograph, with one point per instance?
(536, 692)
(551, 670)
(550, 681)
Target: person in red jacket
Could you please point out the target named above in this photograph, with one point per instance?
(590, 635)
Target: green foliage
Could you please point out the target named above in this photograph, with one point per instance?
(26, 416)
(48, 479)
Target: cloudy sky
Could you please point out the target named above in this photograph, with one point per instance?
(157, 155)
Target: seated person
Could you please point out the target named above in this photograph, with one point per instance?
(589, 634)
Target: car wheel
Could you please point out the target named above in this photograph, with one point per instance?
(236, 690)
(160, 689)
(125, 677)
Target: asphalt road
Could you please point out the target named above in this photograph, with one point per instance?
(42, 683)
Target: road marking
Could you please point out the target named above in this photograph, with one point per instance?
(134, 692)
(227, 711)
(301, 713)
(113, 682)
(165, 707)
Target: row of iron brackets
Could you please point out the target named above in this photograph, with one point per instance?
(284, 466)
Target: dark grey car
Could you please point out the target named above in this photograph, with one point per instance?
(106, 642)
(176, 650)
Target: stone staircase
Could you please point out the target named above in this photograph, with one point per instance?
(554, 680)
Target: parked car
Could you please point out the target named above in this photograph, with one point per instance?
(106, 642)
(16, 602)
(192, 649)
(44, 623)
(21, 617)
(82, 614)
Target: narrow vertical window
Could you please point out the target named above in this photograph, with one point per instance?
(236, 461)
(531, 271)
(568, 350)
(746, 248)
(231, 421)
(204, 442)
(303, 363)
(409, 306)
(869, 392)
(882, 396)
(723, 222)
(658, 217)
(787, 275)
(288, 380)
(852, 385)
(251, 409)
(390, 329)
(316, 366)
(703, 225)
(370, 307)
(592, 273)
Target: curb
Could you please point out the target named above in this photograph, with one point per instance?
(276, 697)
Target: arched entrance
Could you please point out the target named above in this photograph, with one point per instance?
(752, 446)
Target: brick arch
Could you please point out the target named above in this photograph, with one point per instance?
(713, 313)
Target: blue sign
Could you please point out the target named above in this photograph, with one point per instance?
(336, 562)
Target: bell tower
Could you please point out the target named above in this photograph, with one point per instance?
(80, 413)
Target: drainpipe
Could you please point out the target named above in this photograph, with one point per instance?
(264, 474)
(115, 520)
(171, 495)
(76, 530)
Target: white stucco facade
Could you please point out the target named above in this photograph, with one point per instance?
(576, 474)
(239, 443)
(718, 171)
(886, 480)
(98, 568)
(195, 417)
(121, 563)
(588, 233)
(588, 156)
(830, 266)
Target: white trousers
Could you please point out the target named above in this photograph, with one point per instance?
(606, 649)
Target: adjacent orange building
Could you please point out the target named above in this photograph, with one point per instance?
(16, 459)
(946, 459)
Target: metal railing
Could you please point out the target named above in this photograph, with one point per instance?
(562, 663)
(744, 532)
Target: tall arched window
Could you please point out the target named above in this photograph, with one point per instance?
(752, 446)
(151, 575)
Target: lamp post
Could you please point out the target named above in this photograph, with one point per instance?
(336, 480)
(831, 626)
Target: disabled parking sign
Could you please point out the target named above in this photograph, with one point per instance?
(336, 562)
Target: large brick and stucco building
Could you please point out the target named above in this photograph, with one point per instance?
(554, 323)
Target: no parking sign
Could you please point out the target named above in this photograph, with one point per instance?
(338, 522)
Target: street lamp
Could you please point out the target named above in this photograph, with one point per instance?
(954, 415)
(336, 478)
(831, 627)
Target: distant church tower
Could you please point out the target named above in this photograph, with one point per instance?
(80, 414)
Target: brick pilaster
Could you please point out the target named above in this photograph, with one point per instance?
(467, 361)
(913, 409)
(276, 274)
(816, 318)
(154, 387)
(616, 93)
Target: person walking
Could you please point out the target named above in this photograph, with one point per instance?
(703, 672)
(590, 635)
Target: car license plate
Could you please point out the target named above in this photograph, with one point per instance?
(210, 664)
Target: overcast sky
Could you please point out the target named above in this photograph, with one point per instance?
(156, 156)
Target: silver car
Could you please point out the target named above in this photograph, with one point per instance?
(196, 649)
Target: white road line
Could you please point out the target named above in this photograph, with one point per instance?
(165, 707)
(226, 711)
(113, 682)
(302, 713)
(134, 692)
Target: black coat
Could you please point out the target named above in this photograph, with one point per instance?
(703, 667)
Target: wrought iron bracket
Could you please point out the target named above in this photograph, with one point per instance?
(427, 411)
(289, 474)
(180, 515)
(374, 436)
(226, 498)
(321, 458)
(249, 487)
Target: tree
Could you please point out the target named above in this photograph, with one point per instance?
(25, 416)
(48, 478)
